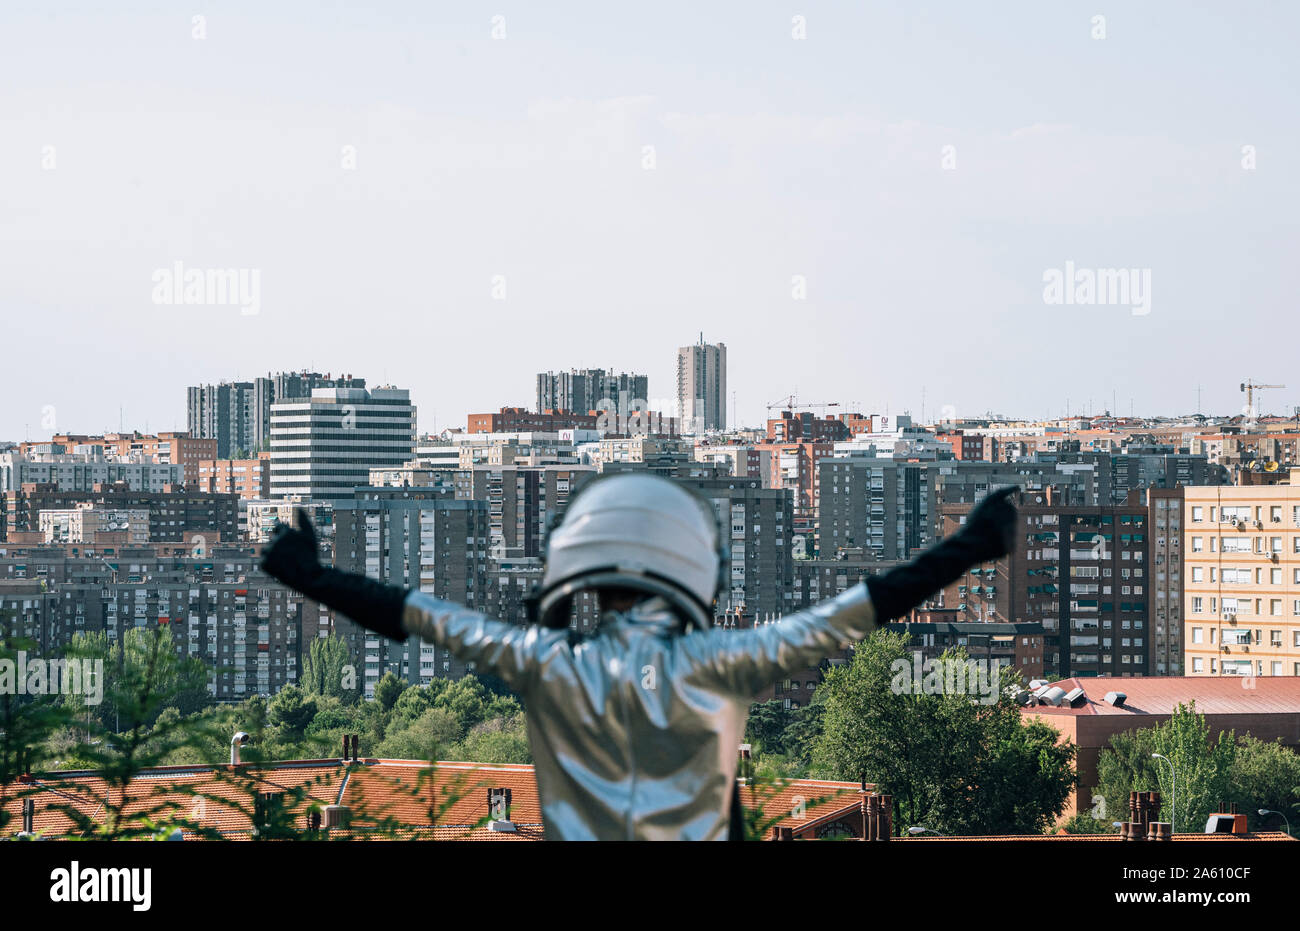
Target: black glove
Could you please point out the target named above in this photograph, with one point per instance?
(292, 557)
(989, 533)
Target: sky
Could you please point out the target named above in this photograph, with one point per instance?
(862, 200)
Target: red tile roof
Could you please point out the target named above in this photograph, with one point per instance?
(210, 797)
(1161, 694)
(802, 803)
(410, 799)
(1099, 838)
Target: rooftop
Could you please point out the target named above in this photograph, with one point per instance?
(1162, 694)
(412, 798)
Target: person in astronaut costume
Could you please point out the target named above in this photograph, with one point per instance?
(634, 729)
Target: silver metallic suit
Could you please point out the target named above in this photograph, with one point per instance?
(634, 730)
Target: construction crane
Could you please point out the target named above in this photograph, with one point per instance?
(790, 403)
(1250, 388)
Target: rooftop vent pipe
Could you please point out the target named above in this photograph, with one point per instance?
(240, 739)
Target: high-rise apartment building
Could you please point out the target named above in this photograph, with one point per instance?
(581, 391)
(702, 387)
(1167, 578)
(757, 522)
(521, 501)
(238, 414)
(325, 446)
(174, 512)
(247, 628)
(1241, 555)
(422, 539)
(224, 412)
(1081, 572)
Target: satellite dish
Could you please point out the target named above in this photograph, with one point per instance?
(1271, 466)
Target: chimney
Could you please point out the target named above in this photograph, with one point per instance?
(29, 815)
(877, 817)
(1159, 830)
(356, 747)
(346, 739)
(499, 804)
(1226, 821)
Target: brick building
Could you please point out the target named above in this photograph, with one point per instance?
(173, 512)
(522, 420)
(1080, 572)
(1270, 711)
(246, 478)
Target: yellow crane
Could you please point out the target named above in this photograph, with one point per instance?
(791, 404)
(1250, 388)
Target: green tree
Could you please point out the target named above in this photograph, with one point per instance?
(28, 724)
(952, 761)
(388, 689)
(328, 670)
(422, 738)
(804, 731)
(765, 729)
(499, 740)
(292, 712)
(1084, 823)
(1266, 775)
(1203, 767)
(149, 727)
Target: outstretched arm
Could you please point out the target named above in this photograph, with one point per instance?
(395, 612)
(746, 661)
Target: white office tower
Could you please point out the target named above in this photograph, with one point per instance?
(324, 446)
(702, 387)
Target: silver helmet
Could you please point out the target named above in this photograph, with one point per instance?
(639, 531)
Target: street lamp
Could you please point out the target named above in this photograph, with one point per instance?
(1173, 793)
(921, 829)
(1265, 812)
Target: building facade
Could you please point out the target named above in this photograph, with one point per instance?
(1241, 554)
(325, 446)
(702, 387)
(582, 391)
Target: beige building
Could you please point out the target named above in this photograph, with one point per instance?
(1241, 555)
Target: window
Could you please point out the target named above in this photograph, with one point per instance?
(1198, 513)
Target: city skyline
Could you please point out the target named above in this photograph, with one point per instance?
(844, 197)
